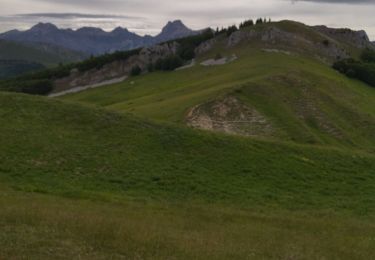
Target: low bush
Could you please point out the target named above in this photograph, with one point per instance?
(368, 55)
(363, 71)
(169, 63)
(34, 87)
(136, 70)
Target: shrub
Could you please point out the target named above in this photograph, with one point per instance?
(37, 87)
(150, 67)
(100, 61)
(169, 63)
(231, 30)
(357, 69)
(13, 68)
(135, 71)
(368, 55)
(247, 23)
(259, 21)
(34, 87)
(186, 49)
(218, 56)
(326, 42)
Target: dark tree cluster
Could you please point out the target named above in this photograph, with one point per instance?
(187, 45)
(185, 51)
(363, 69)
(262, 21)
(100, 61)
(34, 87)
(169, 63)
(368, 56)
(247, 23)
(326, 42)
(135, 71)
(13, 68)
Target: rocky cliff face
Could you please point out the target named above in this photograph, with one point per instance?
(358, 39)
(117, 69)
(205, 46)
(273, 37)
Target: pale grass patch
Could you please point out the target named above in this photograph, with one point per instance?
(45, 227)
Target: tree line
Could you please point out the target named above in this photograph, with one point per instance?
(362, 69)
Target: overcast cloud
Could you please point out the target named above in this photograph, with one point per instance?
(148, 16)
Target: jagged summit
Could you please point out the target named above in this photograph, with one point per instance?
(44, 27)
(120, 29)
(176, 29)
(173, 26)
(177, 23)
(122, 32)
(90, 30)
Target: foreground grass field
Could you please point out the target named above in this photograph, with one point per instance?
(45, 227)
(86, 183)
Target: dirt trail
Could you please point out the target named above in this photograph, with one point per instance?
(222, 61)
(82, 88)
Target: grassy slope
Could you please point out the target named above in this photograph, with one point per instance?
(46, 55)
(51, 147)
(204, 195)
(281, 87)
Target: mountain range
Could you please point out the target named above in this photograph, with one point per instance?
(95, 41)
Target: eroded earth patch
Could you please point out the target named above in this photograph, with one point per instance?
(229, 115)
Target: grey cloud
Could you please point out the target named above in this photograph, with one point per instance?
(74, 16)
(338, 1)
(113, 4)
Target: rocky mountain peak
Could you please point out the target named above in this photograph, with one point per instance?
(120, 31)
(173, 26)
(90, 30)
(175, 29)
(44, 27)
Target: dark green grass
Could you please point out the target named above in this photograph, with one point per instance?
(52, 147)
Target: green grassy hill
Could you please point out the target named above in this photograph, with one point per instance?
(120, 172)
(302, 98)
(183, 179)
(40, 53)
(11, 68)
(17, 59)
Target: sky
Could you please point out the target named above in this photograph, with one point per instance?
(149, 16)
